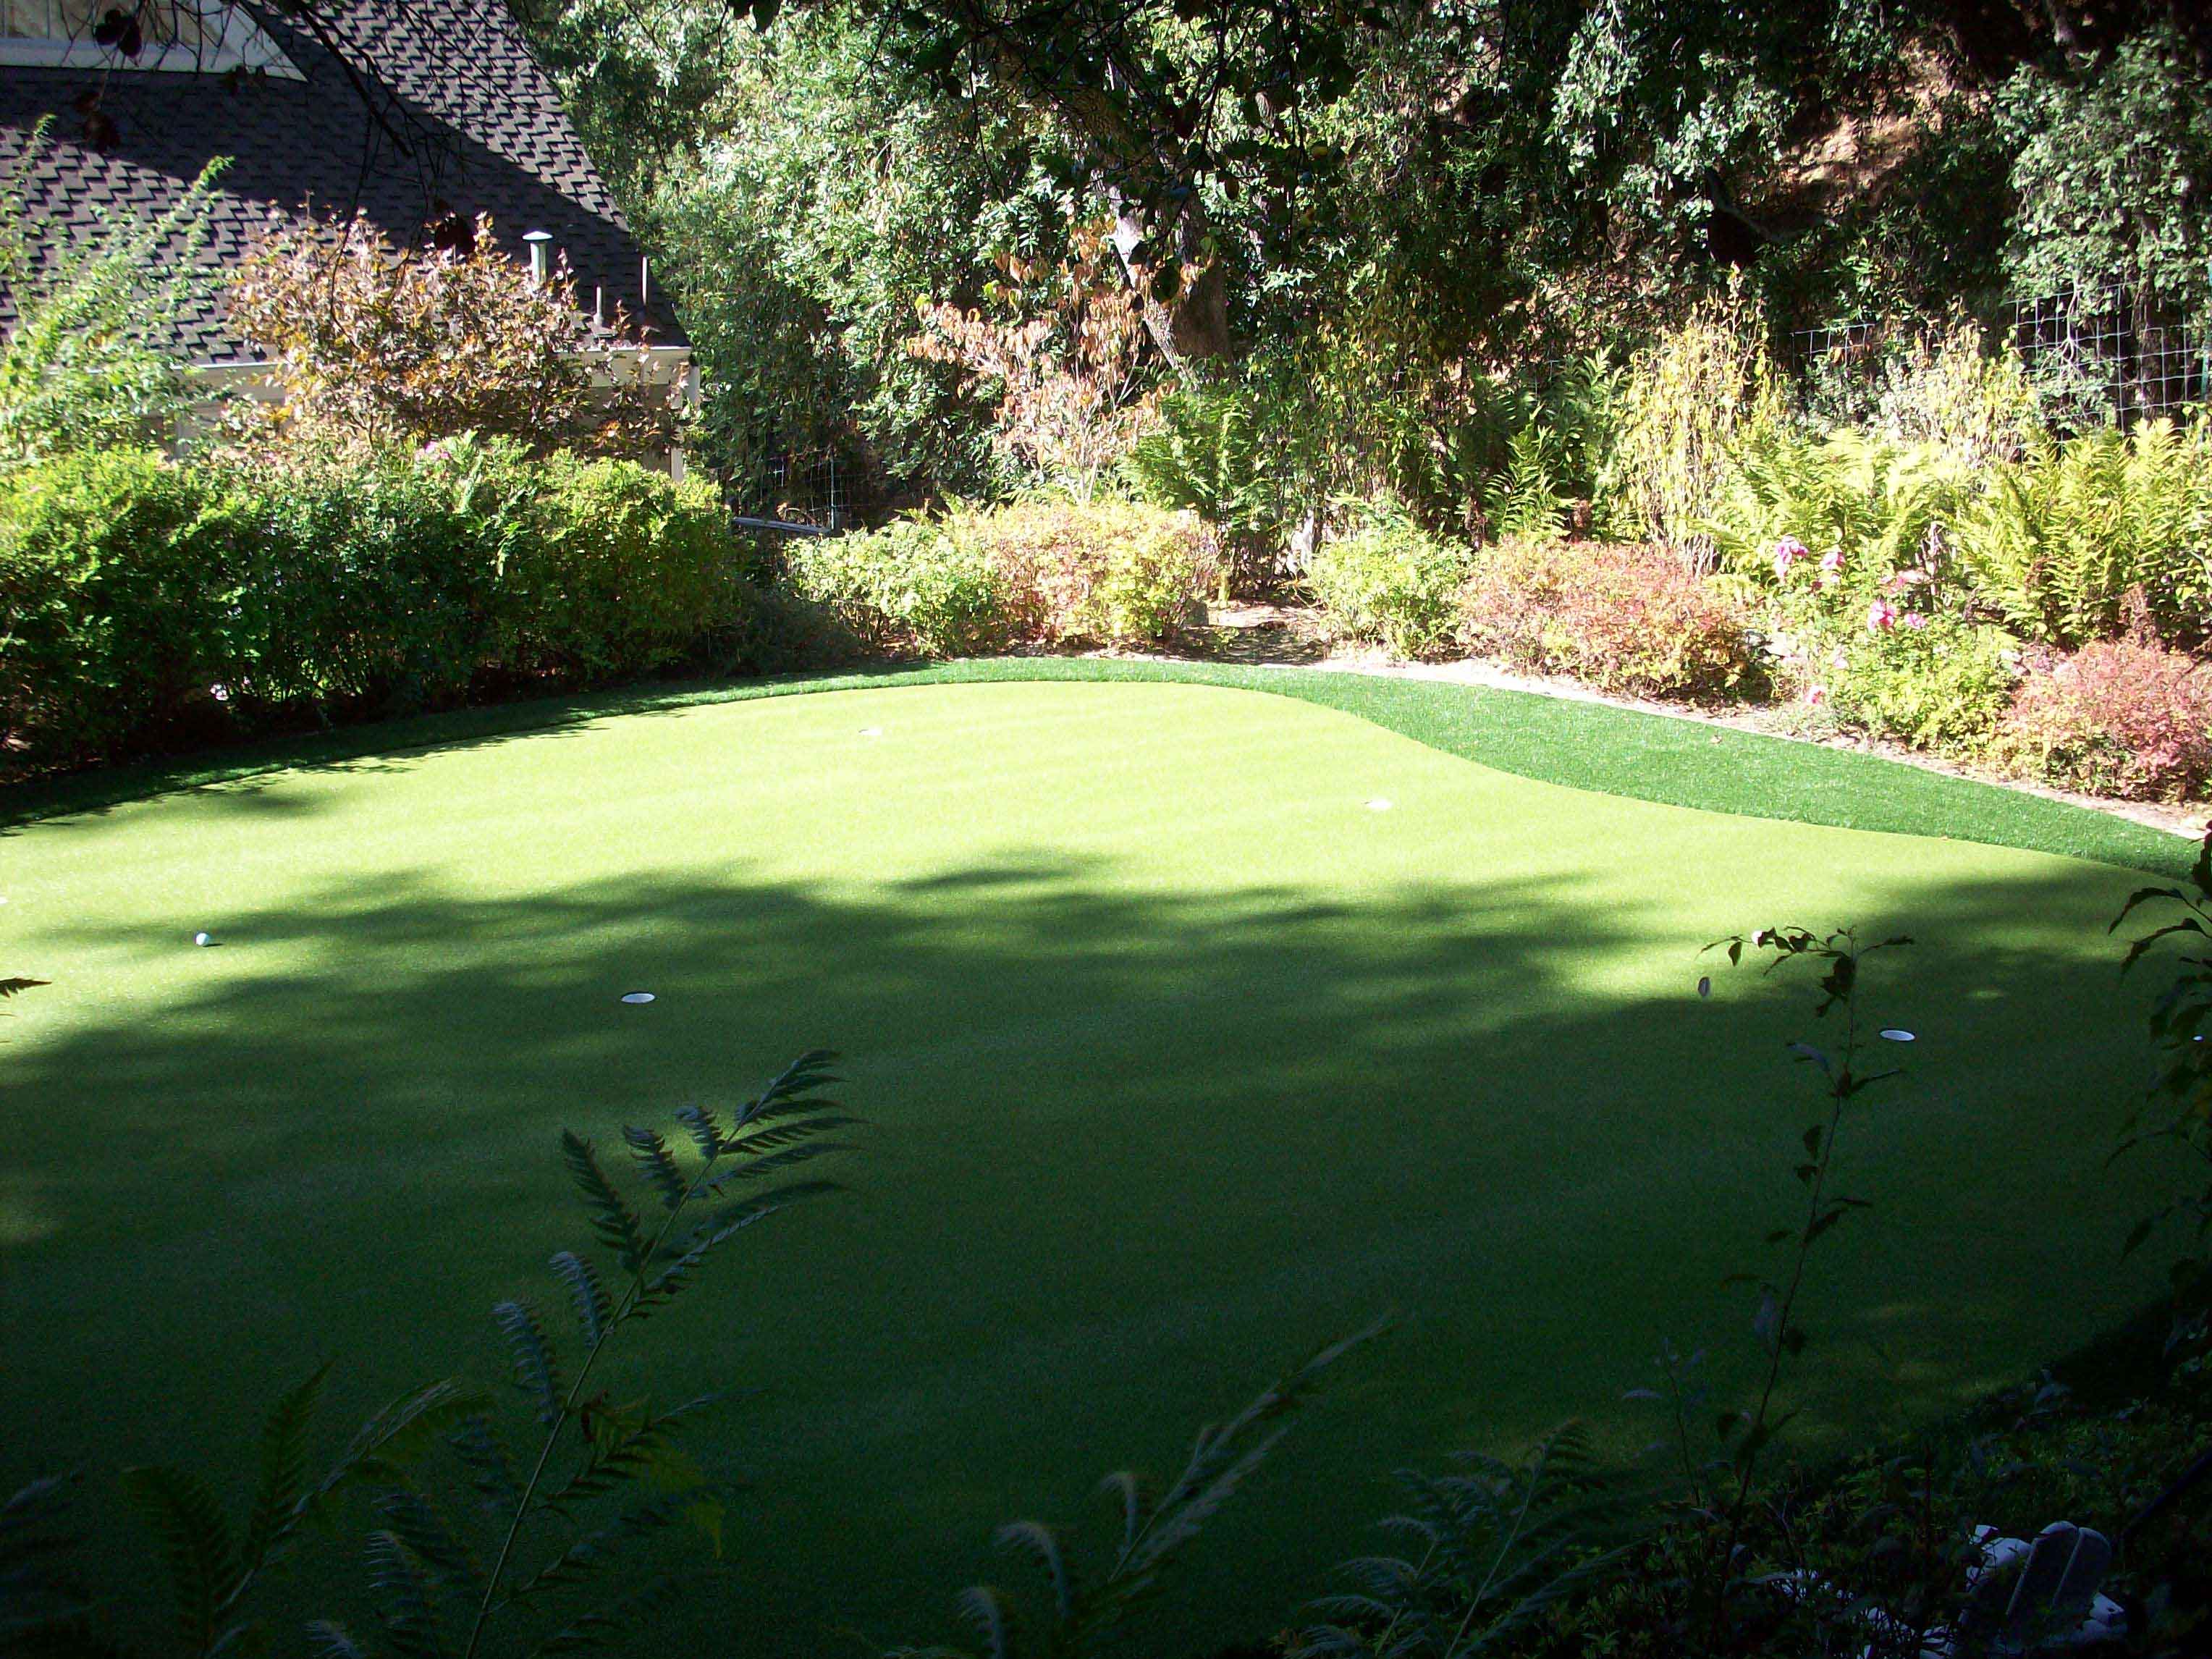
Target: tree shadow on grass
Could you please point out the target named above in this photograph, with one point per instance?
(1130, 1154)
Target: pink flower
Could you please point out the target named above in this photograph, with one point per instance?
(1899, 581)
(1915, 621)
(1832, 567)
(1882, 617)
(1787, 552)
(1815, 694)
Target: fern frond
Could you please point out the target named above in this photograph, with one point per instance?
(810, 1071)
(595, 1309)
(535, 1369)
(1039, 1542)
(705, 1129)
(593, 1630)
(411, 1518)
(478, 1443)
(279, 1498)
(191, 1535)
(983, 1607)
(329, 1640)
(658, 1164)
(405, 1606)
(614, 1223)
(390, 1442)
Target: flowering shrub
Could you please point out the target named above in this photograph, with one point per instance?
(381, 343)
(2119, 717)
(1389, 584)
(1635, 620)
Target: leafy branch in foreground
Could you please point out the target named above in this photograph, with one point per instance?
(499, 1550)
(1782, 1337)
(2180, 1105)
(1498, 1544)
(1081, 1616)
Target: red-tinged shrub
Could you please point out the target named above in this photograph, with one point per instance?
(2116, 718)
(1635, 620)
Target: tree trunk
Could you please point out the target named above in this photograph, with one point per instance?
(1193, 326)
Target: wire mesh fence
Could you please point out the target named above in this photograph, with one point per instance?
(2111, 354)
(2103, 356)
(824, 493)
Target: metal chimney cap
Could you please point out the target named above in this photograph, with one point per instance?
(537, 236)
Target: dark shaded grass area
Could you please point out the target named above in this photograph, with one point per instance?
(1588, 746)
(1132, 1154)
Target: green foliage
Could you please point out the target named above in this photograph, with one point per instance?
(1943, 686)
(1877, 502)
(1097, 572)
(88, 362)
(1082, 1613)
(1633, 620)
(908, 587)
(115, 570)
(2066, 543)
(1704, 393)
(1208, 456)
(1491, 1548)
(1388, 584)
(609, 570)
(1047, 570)
(143, 601)
(2111, 156)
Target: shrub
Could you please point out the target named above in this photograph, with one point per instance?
(85, 362)
(1389, 584)
(1044, 570)
(116, 573)
(2118, 717)
(142, 599)
(1099, 572)
(2061, 540)
(381, 344)
(908, 587)
(610, 569)
(1071, 399)
(1689, 400)
(366, 584)
(1946, 391)
(1944, 684)
(1633, 620)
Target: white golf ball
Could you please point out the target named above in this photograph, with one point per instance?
(202, 938)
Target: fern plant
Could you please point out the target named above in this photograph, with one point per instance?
(483, 1538)
(1205, 457)
(2064, 541)
(1492, 1547)
(1080, 1615)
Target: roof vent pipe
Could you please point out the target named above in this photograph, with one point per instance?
(539, 240)
(644, 281)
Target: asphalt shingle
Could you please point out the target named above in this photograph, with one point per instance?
(407, 109)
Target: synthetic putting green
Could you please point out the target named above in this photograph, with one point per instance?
(1182, 1053)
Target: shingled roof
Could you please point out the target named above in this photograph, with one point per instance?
(407, 109)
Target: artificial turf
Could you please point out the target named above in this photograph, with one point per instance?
(1180, 1057)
